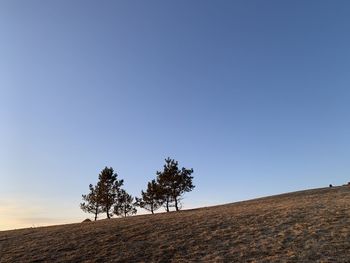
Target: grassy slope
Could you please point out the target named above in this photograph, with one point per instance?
(306, 226)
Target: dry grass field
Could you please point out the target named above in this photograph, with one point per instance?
(306, 226)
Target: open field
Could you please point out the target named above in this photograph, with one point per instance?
(306, 226)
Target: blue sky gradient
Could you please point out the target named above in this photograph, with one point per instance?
(254, 95)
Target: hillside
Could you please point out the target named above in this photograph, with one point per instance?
(305, 226)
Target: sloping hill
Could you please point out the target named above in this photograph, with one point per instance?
(306, 226)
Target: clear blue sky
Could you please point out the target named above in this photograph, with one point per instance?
(254, 95)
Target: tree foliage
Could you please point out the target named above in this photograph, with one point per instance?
(109, 187)
(124, 205)
(167, 189)
(91, 202)
(174, 182)
(152, 199)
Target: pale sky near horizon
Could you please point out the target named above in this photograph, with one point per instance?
(253, 95)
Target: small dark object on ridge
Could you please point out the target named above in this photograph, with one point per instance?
(87, 220)
(330, 185)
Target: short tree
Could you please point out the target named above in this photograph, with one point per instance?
(152, 199)
(109, 188)
(124, 204)
(174, 182)
(91, 202)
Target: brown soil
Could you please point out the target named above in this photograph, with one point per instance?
(306, 226)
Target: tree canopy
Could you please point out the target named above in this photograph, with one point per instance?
(103, 196)
(150, 200)
(174, 182)
(125, 204)
(109, 187)
(167, 190)
(91, 202)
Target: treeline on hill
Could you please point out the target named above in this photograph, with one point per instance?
(108, 196)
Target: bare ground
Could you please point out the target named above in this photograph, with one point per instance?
(306, 226)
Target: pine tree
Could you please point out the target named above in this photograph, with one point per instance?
(150, 200)
(92, 202)
(164, 179)
(174, 183)
(124, 205)
(109, 188)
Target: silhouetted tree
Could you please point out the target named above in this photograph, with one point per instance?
(163, 180)
(91, 202)
(109, 188)
(124, 204)
(174, 182)
(152, 199)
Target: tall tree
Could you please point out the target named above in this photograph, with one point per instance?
(124, 204)
(152, 199)
(91, 202)
(174, 182)
(163, 180)
(109, 188)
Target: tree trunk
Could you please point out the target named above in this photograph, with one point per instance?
(177, 208)
(96, 210)
(167, 205)
(107, 211)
